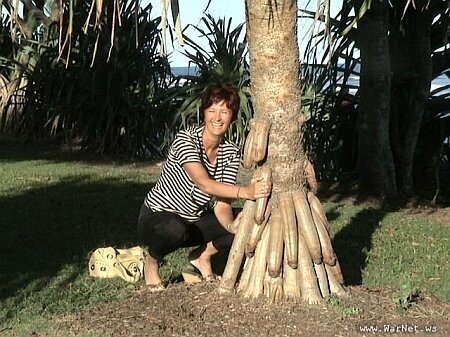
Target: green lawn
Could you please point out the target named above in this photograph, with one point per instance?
(55, 210)
(395, 250)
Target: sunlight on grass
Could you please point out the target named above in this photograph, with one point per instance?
(54, 213)
(392, 249)
(410, 250)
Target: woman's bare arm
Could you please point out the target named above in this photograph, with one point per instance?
(199, 176)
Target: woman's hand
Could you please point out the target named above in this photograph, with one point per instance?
(235, 224)
(258, 188)
(261, 188)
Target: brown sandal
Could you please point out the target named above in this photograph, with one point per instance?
(152, 288)
(191, 274)
(211, 278)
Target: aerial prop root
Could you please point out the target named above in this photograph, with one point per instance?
(289, 255)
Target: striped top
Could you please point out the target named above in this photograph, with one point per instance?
(175, 191)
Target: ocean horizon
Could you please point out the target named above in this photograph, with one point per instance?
(438, 82)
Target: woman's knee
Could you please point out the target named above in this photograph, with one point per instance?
(162, 228)
(224, 242)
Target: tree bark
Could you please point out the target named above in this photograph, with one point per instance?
(375, 160)
(412, 74)
(275, 86)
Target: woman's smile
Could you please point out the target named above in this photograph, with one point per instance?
(218, 118)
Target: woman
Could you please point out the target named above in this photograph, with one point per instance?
(199, 174)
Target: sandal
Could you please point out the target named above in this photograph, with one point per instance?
(155, 288)
(191, 274)
(152, 288)
(212, 278)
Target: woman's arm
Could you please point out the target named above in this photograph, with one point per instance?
(198, 174)
(224, 213)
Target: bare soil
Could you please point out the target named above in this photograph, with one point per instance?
(200, 310)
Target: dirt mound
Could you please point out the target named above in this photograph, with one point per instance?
(199, 310)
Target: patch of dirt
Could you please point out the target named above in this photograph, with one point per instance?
(441, 215)
(200, 310)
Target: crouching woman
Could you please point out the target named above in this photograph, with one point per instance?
(190, 204)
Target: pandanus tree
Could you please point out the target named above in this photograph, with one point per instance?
(88, 74)
(286, 238)
(416, 31)
(401, 46)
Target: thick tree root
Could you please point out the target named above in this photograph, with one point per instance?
(236, 254)
(271, 269)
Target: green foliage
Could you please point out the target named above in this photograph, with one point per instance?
(105, 95)
(343, 309)
(113, 106)
(406, 296)
(223, 63)
(331, 138)
(330, 135)
(5, 40)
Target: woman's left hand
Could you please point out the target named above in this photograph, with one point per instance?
(235, 224)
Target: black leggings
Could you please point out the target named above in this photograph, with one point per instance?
(165, 232)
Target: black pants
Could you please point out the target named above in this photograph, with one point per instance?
(165, 232)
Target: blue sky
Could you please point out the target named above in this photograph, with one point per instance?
(192, 11)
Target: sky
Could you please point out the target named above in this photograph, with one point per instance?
(192, 12)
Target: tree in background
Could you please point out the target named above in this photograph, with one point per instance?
(411, 49)
(396, 45)
(88, 78)
(375, 159)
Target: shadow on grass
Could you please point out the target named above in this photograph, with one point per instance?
(13, 151)
(353, 242)
(47, 228)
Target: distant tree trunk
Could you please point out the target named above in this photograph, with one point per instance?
(412, 75)
(375, 160)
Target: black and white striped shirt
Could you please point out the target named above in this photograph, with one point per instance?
(175, 191)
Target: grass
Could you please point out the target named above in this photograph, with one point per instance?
(395, 250)
(341, 308)
(55, 210)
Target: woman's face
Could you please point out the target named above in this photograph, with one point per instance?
(217, 118)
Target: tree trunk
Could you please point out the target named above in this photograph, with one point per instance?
(375, 160)
(275, 86)
(282, 266)
(412, 74)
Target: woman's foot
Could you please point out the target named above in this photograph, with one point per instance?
(200, 258)
(151, 273)
(155, 288)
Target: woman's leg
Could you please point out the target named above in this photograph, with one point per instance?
(215, 238)
(200, 258)
(151, 271)
(163, 233)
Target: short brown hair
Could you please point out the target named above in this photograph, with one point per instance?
(221, 92)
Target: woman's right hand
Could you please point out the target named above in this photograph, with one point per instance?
(258, 188)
